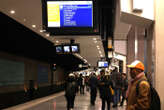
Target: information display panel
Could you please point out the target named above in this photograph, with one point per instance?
(70, 13)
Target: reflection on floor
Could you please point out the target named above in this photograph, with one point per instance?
(82, 102)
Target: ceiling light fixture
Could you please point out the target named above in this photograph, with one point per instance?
(85, 61)
(12, 12)
(34, 26)
(47, 35)
(44, 30)
(41, 30)
(57, 41)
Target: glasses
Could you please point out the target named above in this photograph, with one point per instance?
(132, 68)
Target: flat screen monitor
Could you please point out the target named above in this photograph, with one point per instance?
(66, 48)
(75, 48)
(102, 64)
(69, 14)
(59, 49)
(73, 17)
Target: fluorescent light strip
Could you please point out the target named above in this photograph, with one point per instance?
(12, 12)
(34, 26)
(47, 35)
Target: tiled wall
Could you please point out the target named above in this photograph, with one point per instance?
(120, 46)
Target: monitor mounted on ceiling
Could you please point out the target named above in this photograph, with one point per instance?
(59, 49)
(75, 48)
(103, 64)
(66, 49)
(69, 16)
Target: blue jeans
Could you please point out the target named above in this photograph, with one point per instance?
(116, 96)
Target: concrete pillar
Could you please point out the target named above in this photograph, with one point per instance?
(159, 48)
(135, 44)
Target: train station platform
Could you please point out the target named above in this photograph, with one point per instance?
(58, 102)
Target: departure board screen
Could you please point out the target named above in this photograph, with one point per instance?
(70, 14)
(102, 64)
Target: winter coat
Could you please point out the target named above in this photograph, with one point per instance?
(93, 82)
(81, 81)
(142, 100)
(125, 84)
(104, 88)
(70, 88)
(117, 79)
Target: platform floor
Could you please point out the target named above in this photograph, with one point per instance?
(82, 102)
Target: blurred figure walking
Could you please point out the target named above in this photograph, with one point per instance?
(117, 80)
(93, 83)
(124, 88)
(105, 92)
(82, 84)
(70, 91)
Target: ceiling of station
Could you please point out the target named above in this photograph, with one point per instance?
(121, 29)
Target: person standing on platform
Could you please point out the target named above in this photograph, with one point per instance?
(124, 88)
(82, 84)
(105, 92)
(77, 82)
(117, 80)
(70, 91)
(93, 83)
(87, 83)
(138, 100)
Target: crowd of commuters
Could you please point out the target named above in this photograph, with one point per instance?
(93, 83)
(107, 83)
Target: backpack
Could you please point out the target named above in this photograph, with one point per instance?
(155, 103)
(70, 89)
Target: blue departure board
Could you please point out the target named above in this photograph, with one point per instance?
(70, 13)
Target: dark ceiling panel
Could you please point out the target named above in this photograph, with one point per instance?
(19, 40)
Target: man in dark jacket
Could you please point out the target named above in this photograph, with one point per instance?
(124, 87)
(82, 83)
(93, 83)
(117, 80)
(70, 91)
(105, 92)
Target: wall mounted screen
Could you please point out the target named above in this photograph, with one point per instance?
(59, 49)
(75, 48)
(66, 48)
(102, 64)
(70, 14)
